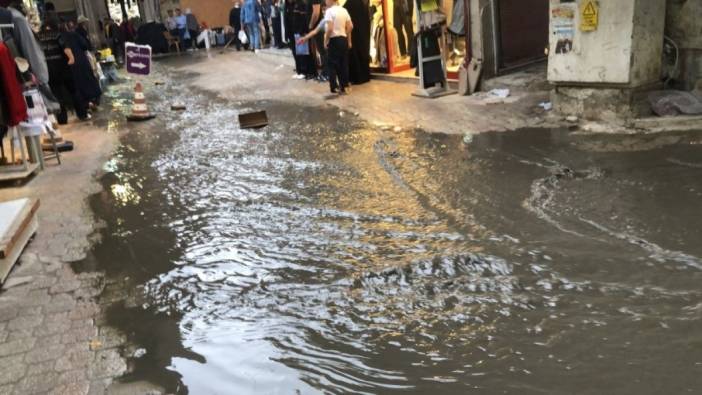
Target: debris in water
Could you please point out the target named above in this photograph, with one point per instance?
(178, 107)
(256, 119)
(547, 105)
(501, 93)
(140, 352)
(95, 344)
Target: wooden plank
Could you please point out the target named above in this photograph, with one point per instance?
(27, 225)
(252, 120)
(14, 231)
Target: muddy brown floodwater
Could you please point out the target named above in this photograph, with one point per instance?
(323, 255)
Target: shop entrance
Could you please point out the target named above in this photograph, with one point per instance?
(393, 29)
(523, 32)
(392, 34)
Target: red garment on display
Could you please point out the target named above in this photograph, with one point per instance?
(11, 88)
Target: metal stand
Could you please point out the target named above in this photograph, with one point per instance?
(436, 88)
(54, 153)
(14, 171)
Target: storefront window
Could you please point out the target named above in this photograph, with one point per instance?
(401, 23)
(455, 35)
(393, 29)
(378, 48)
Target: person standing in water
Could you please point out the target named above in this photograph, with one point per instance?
(250, 20)
(337, 27)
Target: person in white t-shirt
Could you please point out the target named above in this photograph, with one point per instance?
(337, 39)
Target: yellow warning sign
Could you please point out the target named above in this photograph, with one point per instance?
(589, 16)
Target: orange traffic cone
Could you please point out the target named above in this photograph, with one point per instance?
(140, 112)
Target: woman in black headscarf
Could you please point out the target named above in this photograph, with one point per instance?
(359, 53)
(87, 87)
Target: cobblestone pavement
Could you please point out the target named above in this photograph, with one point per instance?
(50, 341)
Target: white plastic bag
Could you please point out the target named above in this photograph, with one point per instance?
(243, 38)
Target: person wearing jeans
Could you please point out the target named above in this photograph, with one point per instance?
(250, 20)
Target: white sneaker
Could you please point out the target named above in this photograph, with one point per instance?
(300, 77)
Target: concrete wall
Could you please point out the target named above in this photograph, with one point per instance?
(649, 26)
(602, 56)
(482, 35)
(684, 27)
(624, 50)
(214, 12)
(684, 23)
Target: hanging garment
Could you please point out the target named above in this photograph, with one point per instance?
(402, 21)
(28, 46)
(5, 19)
(8, 35)
(359, 54)
(153, 34)
(458, 19)
(11, 89)
(376, 27)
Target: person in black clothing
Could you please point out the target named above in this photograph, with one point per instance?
(359, 53)
(86, 86)
(59, 58)
(115, 40)
(277, 28)
(314, 15)
(235, 22)
(265, 15)
(82, 30)
(302, 17)
(288, 17)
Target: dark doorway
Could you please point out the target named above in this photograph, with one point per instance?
(523, 31)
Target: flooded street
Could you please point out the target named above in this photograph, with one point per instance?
(324, 254)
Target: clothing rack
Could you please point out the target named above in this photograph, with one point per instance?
(2, 147)
(15, 136)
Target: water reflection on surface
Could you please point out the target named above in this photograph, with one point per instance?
(323, 255)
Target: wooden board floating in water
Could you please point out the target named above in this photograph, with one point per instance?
(252, 120)
(18, 222)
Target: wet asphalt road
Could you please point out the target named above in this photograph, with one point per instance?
(324, 255)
